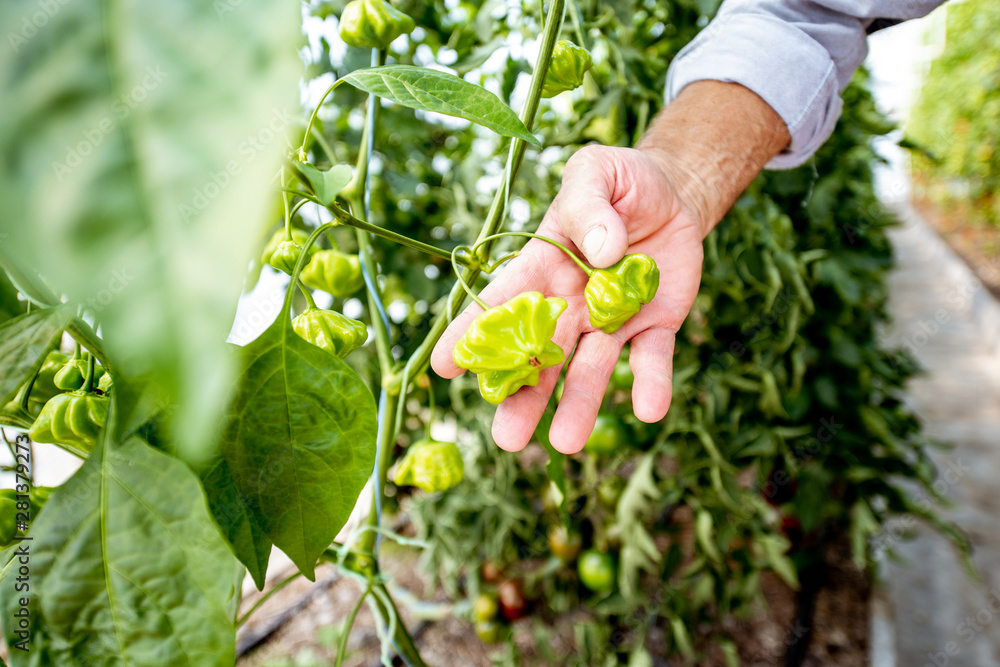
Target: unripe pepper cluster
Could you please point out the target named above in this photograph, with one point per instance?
(509, 345)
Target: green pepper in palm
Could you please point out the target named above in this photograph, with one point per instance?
(617, 293)
(337, 334)
(334, 272)
(509, 345)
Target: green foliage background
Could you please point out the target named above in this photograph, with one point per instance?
(957, 117)
(778, 370)
(785, 406)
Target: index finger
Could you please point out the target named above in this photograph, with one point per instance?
(524, 273)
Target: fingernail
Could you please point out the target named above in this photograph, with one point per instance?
(594, 241)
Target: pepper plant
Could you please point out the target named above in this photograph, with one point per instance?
(142, 180)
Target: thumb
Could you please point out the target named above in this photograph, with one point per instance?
(584, 208)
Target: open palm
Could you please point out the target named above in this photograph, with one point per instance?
(623, 197)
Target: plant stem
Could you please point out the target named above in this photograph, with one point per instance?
(569, 253)
(359, 198)
(264, 598)
(286, 306)
(312, 119)
(284, 202)
(402, 640)
(345, 633)
(88, 384)
(430, 406)
(461, 279)
(345, 218)
(383, 451)
(418, 362)
(307, 294)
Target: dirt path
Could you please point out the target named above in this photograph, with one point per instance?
(951, 324)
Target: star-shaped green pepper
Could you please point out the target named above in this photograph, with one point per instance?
(328, 329)
(508, 345)
(334, 272)
(617, 293)
(431, 465)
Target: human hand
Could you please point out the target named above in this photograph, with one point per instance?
(613, 201)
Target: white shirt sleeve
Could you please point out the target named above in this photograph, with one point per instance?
(798, 55)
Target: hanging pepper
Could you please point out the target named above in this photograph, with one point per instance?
(373, 24)
(569, 63)
(334, 272)
(337, 334)
(72, 375)
(282, 254)
(617, 293)
(431, 465)
(508, 345)
(73, 419)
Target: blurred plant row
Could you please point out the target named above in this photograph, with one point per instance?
(956, 120)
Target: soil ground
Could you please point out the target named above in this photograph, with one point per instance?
(837, 633)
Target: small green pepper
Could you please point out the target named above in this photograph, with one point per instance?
(282, 254)
(373, 24)
(73, 419)
(72, 375)
(45, 385)
(616, 294)
(431, 465)
(509, 345)
(337, 334)
(334, 272)
(569, 63)
(106, 383)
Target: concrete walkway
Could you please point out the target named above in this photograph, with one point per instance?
(936, 615)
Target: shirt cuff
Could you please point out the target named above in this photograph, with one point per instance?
(790, 71)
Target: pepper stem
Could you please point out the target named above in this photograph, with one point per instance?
(312, 119)
(307, 294)
(88, 385)
(569, 253)
(461, 278)
(430, 406)
(284, 201)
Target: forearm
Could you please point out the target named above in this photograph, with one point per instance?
(711, 141)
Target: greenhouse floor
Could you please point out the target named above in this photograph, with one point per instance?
(935, 614)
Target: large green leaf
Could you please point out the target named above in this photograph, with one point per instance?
(300, 445)
(238, 523)
(327, 184)
(135, 171)
(24, 342)
(127, 568)
(431, 90)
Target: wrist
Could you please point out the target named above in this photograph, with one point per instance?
(690, 190)
(711, 142)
